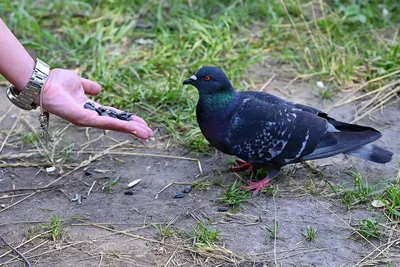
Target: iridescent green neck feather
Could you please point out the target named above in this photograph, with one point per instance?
(217, 101)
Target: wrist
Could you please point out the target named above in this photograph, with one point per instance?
(22, 75)
(27, 98)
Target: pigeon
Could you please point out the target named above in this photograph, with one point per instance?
(265, 131)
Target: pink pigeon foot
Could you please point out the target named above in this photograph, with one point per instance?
(244, 165)
(257, 186)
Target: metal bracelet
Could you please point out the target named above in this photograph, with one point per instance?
(25, 99)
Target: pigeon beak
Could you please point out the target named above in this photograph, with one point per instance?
(191, 80)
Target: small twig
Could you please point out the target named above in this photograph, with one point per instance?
(16, 203)
(340, 103)
(88, 161)
(367, 94)
(28, 189)
(276, 230)
(90, 190)
(376, 107)
(5, 114)
(168, 185)
(101, 259)
(27, 241)
(265, 85)
(388, 245)
(151, 155)
(16, 251)
(9, 133)
(54, 250)
(172, 255)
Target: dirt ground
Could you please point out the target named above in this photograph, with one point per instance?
(114, 229)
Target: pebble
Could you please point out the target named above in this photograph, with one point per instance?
(320, 84)
(223, 209)
(179, 195)
(51, 169)
(187, 189)
(128, 193)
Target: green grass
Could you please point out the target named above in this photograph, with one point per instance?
(112, 183)
(391, 200)
(368, 228)
(54, 227)
(202, 185)
(273, 231)
(140, 51)
(234, 197)
(30, 137)
(204, 236)
(165, 230)
(360, 193)
(311, 233)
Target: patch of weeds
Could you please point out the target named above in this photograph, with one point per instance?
(269, 191)
(60, 155)
(65, 153)
(220, 181)
(311, 233)
(261, 173)
(202, 185)
(165, 230)
(112, 183)
(204, 236)
(368, 228)
(54, 227)
(361, 193)
(231, 161)
(30, 138)
(391, 200)
(327, 93)
(273, 231)
(234, 197)
(312, 188)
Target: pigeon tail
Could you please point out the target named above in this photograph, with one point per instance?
(373, 153)
(350, 139)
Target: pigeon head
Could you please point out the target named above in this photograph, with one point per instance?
(209, 79)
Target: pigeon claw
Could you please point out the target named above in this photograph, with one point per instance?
(257, 186)
(243, 165)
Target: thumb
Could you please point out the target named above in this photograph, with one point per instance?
(90, 87)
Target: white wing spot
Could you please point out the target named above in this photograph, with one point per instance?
(303, 145)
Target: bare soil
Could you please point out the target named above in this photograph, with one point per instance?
(109, 228)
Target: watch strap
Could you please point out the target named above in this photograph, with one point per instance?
(25, 99)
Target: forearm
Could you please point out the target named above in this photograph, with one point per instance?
(16, 65)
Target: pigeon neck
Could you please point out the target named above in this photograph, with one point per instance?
(218, 101)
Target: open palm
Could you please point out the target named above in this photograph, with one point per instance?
(65, 95)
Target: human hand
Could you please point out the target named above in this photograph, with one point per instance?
(64, 95)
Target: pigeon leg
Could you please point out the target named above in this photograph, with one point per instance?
(257, 186)
(244, 165)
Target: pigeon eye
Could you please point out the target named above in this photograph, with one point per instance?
(207, 78)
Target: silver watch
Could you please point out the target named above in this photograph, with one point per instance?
(25, 99)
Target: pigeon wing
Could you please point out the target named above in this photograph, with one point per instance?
(271, 99)
(277, 133)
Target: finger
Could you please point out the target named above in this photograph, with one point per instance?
(90, 87)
